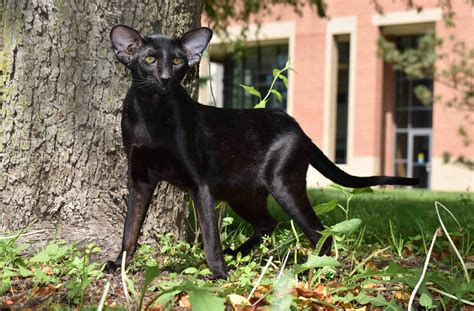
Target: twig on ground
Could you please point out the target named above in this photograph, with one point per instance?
(104, 296)
(124, 283)
(284, 264)
(282, 268)
(367, 259)
(425, 267)
(6, 237)
(260, 277)
(470, 303)
(437, 204)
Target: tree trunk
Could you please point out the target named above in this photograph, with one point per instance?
(63, 165)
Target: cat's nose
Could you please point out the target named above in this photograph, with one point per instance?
(165, 80)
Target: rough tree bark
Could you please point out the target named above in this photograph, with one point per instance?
(62, 161)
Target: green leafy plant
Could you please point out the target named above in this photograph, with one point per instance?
(269, 277)
(397, 242)
(277, 74)
(81, 273)
(10, 259)
(349, 195)
(200, 297)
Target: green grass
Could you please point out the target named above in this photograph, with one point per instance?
(407, 209)
(173, 274)
(373, 267)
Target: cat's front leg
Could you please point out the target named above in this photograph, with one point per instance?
(210, 233)
(140, 191)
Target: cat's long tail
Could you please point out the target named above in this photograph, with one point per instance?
(330, 170)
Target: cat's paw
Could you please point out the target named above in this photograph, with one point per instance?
(230, 252)
(217, 276)
(326, 249)
(111, 267)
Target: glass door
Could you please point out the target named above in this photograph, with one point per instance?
(419, 162)
(413, 155)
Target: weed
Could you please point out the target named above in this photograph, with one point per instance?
(283, 273)
(397, 242)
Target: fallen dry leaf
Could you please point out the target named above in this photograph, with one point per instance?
(184, 302)
(112, 304)
(304, 292)
(318, 292)
(261, 291)
(333, 282)
(402, 296)
(321, 290)
(45, 290)
(47, 269)
(370, 266)
(407, 251)
(469, 258)
(370, 285)
(264, 288)
(237, 300)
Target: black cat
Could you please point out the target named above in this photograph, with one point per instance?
(235, 155)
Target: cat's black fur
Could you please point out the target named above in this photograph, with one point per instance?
(235, 155)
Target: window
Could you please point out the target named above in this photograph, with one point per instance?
(413, 124)
(342, 97)
(410, 112)
(254, 68)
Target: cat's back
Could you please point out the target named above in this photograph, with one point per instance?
(264, 120)
(256, 130)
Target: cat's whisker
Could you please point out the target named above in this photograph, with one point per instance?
(140, 83)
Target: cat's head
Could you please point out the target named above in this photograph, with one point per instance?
(158, 63)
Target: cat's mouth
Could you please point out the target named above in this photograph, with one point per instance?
(154, 86)
(164, 89)
(158, 88)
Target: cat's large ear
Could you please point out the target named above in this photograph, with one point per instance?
(194, 42)
(125, 42)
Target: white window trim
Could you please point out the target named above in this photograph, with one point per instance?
(407, 17)
(346, 25)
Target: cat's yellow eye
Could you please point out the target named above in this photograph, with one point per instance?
(150, 59)
(177, 61)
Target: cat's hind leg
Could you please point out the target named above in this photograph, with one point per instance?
(254, 211)
(289, 190)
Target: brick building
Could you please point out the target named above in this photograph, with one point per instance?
(356, 108)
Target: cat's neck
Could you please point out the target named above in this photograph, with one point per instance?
(177, 95)
(150, 104)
